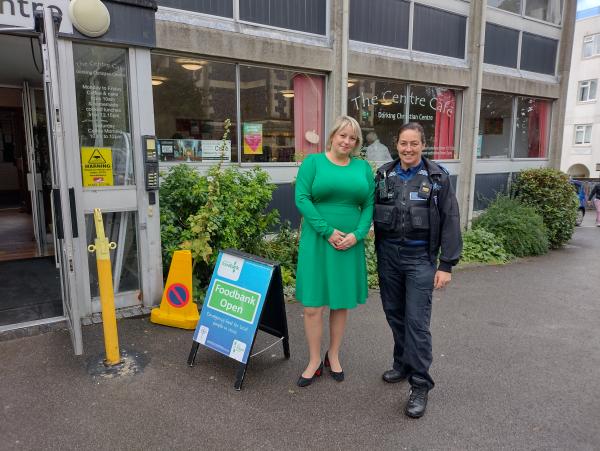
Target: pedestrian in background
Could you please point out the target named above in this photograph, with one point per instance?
(334, 194)
(416, 216)
(595, 196)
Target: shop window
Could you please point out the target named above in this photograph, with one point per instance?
(514, 6)
(583, 134)
(546, 10)
(532, 128)
(384, 22)
(120, 227)
(495, 120)
(382, 106)
(587, 90)
(102, 98)
(222, 8)
(307, 15)
(449, 42)
(538, 54)
(192, 100)
(435, 109)
(591, 45)
(487, 188)
(501, 45)
(281, 113)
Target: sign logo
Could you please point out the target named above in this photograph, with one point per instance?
(178, 295)
(230, 267)
(234, 301)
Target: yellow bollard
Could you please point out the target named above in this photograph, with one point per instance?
(107, 298)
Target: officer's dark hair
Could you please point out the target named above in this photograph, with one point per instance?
(413, 126)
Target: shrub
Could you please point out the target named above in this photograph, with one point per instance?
(182, 192)
(283, 247)
(479, 245)
(233, 216)
(550, 193)
(518, 226)
(371, 256)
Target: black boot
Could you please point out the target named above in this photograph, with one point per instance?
(417, 402)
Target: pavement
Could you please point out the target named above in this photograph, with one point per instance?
(516, 365)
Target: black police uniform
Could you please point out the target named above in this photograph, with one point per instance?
(413, 220)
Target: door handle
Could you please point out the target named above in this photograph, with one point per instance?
(73, 206)
(60, 233)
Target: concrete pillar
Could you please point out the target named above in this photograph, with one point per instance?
(337, 86)
(471, 105)
(565, 50)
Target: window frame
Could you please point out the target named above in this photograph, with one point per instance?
(583, 128)
(452, 7)
(238, 113)
(235, 19)
(522, 14)
(594, 40)
(458, 97)
(513, 129)
(581, 86)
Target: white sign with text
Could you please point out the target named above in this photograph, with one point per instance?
(19, 13)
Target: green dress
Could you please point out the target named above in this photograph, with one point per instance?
(333, 197)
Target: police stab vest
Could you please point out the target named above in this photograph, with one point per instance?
(402, 207)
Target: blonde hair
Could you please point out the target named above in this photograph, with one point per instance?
(342, 122)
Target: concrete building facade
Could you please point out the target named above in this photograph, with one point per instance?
(84, 116)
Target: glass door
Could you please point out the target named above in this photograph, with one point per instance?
(107, 164)
(63, 203)
(34, 174)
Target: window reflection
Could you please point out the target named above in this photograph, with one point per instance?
(382, 106)
(282, 114)
(102, 97)
(192, 99)
(532, 128)
(495, 119)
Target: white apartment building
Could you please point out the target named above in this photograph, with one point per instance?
(581, 138)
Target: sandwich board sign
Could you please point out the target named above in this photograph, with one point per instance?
(245, 294)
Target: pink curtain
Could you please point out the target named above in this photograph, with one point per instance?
(538, 129)
(308, 114)
(443, 143)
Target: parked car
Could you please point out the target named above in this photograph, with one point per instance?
(579, 189)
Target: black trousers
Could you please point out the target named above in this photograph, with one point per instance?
(406, 284)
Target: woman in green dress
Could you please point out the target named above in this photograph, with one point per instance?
(334, 193)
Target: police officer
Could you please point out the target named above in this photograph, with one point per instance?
(416, 215)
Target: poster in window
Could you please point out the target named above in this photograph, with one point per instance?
(253, 139)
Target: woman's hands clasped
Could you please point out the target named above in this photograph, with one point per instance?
(342, 241)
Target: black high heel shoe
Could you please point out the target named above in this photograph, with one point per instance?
(338, 376)
(306, 381)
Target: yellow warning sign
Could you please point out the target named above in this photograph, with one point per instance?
(97, 166)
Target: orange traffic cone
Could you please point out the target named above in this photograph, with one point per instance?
(176, 308)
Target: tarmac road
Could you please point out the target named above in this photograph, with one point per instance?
(516, 365)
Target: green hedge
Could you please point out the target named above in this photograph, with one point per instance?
(550, 193)
(518, 226)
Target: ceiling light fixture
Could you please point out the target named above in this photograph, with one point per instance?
(351, 82)
(190, 63)
(287, 93)
(158, 80)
